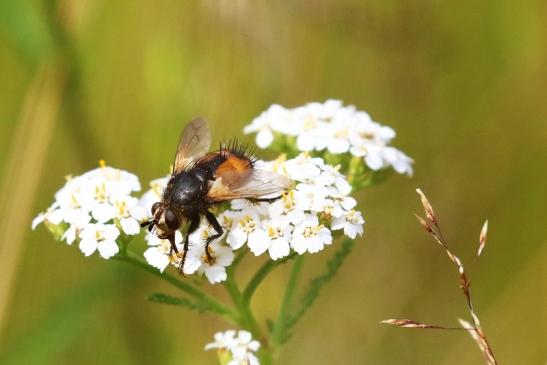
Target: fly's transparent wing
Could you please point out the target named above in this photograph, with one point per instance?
(194, 143)
(247, 184)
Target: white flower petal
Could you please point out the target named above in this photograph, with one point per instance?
(88, 246)
(224, 256)
(36, 221)
(107, 249)
(103, 212)
(70, 234)
(109, 231)
(259, 242)
(264, 138)
(156, 258)
(338, 223)
(191, 265)
(215, 274)
(236, 238)
(374, 161)
(279, 248)
(130, 226)
(305, 142)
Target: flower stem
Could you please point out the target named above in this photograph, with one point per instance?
(260, 275)
(279, 330)
(210, 302)
(232, 288)
(245, 317)
(249, 322)
(255, 281)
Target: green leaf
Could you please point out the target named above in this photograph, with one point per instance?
(269, 324)
(181, 302)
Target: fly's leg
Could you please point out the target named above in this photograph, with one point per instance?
(263, 200)
(194, 224)
(218, 228)
(173, 248)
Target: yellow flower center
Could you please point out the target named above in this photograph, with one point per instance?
(327, 211)
(226, 221)
(308, 232)
(341, 133)
(288, 200)
(309, 123)
(247, 224)
(100, 193)
(279, 164)
(312, 231)
(274, 232)
(352, 217)
(99, 236)
(121, 208)
(74, 203)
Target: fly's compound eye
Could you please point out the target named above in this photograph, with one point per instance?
(171, 220)
(155, 207)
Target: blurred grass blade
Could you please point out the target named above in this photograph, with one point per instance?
(68, 318)
(26, 27)
(23, 170)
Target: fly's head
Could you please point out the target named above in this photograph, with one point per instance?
(165, 221)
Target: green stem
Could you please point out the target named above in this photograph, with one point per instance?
(279, 331)
(249, 322)
(245, 316)
(260, 275)
(317, 284)
(211, 303)
(255, 281)
(232, 288)
(239, 256)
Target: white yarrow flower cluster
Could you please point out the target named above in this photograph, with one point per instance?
(240, 346)
(303, 218)
(333, 127)
(94, 209)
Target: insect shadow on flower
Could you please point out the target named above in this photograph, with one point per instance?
(201, 180)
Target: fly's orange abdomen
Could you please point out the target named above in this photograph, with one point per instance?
(234, 163)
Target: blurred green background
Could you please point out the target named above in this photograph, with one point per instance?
(463, 83)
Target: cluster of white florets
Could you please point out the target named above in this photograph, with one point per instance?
(239, 347)
(333, 127)
(95, 209)
(301, 220)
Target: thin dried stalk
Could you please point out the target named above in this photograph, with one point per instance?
(482, 238)
(409, 323)
(431, 225)
(480, 340)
